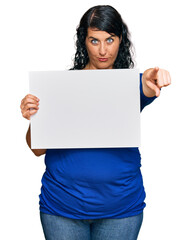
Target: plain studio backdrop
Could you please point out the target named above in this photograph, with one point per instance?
(39, 35)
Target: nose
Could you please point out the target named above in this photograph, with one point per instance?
(102, 49)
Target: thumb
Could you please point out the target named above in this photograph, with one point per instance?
(154, 87)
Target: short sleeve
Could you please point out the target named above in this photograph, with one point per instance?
(144, 99)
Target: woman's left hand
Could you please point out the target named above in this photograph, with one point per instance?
(153, 80)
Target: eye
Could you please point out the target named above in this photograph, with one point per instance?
(110, 40)
(94, 41)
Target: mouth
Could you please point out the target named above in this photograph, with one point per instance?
(103, 59)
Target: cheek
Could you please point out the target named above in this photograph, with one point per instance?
(114, 51)
(92, 51)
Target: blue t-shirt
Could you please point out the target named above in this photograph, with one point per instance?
(94, 183)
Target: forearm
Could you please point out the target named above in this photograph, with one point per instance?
(37, 152)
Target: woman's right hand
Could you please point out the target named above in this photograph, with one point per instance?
(29, 105)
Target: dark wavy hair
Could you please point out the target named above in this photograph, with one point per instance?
(104, 18)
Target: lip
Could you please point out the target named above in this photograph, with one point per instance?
(103, 59)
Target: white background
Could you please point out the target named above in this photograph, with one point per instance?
(39, 35)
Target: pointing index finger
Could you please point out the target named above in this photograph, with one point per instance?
(154, 72)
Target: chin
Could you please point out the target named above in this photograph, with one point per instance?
(104, 66)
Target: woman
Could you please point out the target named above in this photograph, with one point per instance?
(96, 193)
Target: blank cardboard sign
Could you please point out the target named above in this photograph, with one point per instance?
(86, 108)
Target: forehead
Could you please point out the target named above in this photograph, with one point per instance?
(96, 33)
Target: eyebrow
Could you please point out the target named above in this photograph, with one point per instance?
(106, 38)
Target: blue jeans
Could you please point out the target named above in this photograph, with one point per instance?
(61, 228)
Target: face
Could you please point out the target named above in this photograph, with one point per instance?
(102, 49)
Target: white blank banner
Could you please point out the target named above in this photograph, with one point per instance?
(86, 109)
